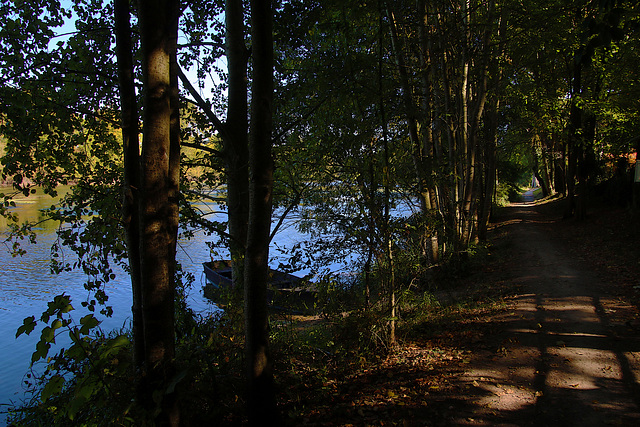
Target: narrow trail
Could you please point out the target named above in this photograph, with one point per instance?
(559, 355)
(537, 335)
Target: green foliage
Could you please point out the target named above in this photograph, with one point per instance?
(338, 294)
(211, 357)
(339, 100)
(88, 379)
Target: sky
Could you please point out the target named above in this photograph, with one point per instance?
(69, 28)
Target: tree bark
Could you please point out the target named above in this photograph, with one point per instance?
(429, 147)
(235, 139)
(131, 152)
(547, 164)
(490, 146)
(157, 229)
(424, 190)
(261, 402)
(170, 414)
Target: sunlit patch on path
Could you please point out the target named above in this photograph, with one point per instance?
(556, 358)
(556, 348)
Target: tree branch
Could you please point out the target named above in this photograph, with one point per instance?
(206, 149)
(289, 208)
(200, 102)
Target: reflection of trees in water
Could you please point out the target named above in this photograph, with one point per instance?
(30, 208)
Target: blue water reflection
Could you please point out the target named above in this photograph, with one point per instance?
(26, 285)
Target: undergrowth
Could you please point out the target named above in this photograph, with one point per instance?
(91, 384)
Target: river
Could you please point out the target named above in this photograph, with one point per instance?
(26, 285)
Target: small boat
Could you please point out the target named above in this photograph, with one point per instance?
(284, 289)
(219, 273)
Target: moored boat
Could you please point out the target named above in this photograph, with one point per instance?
(284, 290)
(219, 273)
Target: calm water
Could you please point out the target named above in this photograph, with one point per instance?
(26, 285)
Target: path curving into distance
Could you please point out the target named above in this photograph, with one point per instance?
(556, 357)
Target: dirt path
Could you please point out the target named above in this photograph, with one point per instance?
(562, 354)
(559, 345)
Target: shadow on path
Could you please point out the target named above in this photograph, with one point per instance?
(557, 360)
(554, 356)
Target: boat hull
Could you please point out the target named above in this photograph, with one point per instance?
(284, 290)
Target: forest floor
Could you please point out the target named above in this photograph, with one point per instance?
(552, 338)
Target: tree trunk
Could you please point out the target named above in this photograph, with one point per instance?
(235, 140)
(574, 149)
(561, 172)
(131, 151)
(391, 275)
(547, 164)
(170, 414)
(429, 147)
(543, 183)
(157, 228)
(261, 401)
(535, 146)
(452, 162)
(174, 135)
(417, 151)
(491, 115)
(491, 127)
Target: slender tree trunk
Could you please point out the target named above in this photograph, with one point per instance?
(440, 128)
(157, 228)
(476, 104)
(391, 274)
(491, 134)
(367, 278)
(372, 219)
(234, 136)
(465, 167)
(452, 162)
(386, 222)
(235, 139)
(547, 163)
(130, 145)
(170, 412)
(261, 401)
(428, 139)
(574, 150)
(561, 171)
(491, 124)
(543, 183)
(417, 153)
(536, 147)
